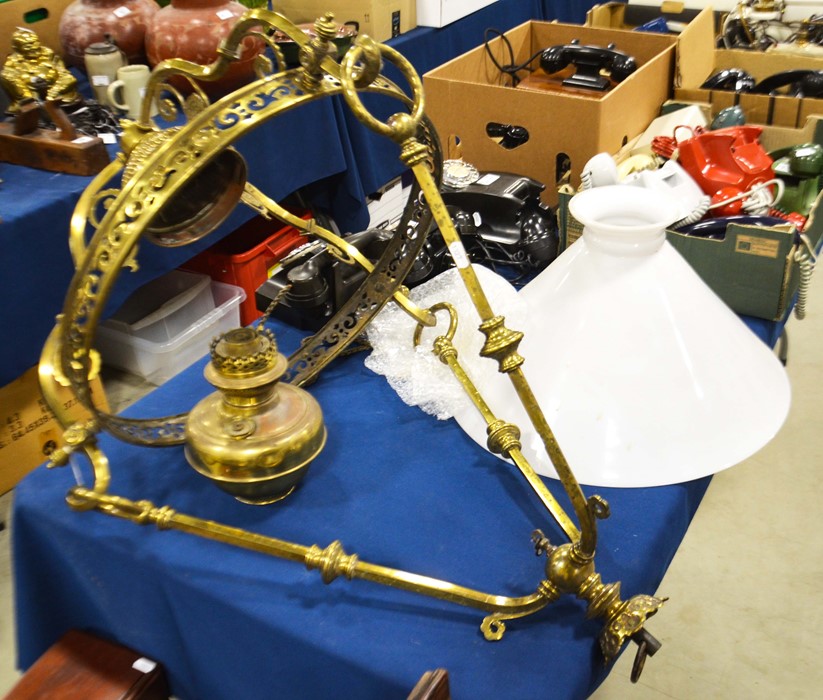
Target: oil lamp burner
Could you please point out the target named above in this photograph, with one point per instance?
(255, 437)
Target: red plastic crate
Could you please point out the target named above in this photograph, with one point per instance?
(245, 256)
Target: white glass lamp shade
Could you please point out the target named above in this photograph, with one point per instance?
(645, 376)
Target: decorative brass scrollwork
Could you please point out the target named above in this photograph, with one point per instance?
(121, 217)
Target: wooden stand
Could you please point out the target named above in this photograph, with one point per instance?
(22, 142)
(433, 685)
(541, 81)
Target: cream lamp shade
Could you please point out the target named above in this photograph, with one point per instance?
(646, 377)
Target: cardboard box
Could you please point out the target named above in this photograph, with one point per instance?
(753, 268)
(41, 16)
(380, 19)
(629, 15)
(439, 13)
(29, 432)
(469, 94)
(700, 60)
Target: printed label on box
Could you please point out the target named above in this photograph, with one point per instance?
(752, 245)
(29, 432)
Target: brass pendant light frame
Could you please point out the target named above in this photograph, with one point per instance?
(120, 216)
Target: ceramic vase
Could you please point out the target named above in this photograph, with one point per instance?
(192, 30)
(85, 22)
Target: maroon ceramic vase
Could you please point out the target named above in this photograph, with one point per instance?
(192, 30)
(86, 22)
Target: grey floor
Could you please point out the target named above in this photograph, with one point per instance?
(745, 612)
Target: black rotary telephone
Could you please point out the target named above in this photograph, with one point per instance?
(501, 220)
(589, 61)
(313, 283)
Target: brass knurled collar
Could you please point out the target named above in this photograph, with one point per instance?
(243, 351)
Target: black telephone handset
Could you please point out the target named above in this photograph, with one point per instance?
(589, 62)
(798, 83)
(735, 79)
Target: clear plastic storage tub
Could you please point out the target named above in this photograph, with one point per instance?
(167, 325)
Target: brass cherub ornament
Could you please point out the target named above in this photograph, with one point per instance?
(32, 67)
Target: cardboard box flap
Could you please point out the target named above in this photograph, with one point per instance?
(695, 44)
(695, 51)
(752, 261)
(630, 15)
(609, 15)
(762, 64)
(29, 432)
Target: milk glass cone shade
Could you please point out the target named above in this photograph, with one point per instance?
(644, 374)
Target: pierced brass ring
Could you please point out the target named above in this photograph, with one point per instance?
(440, 306)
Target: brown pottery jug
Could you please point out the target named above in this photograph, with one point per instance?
(192, 30)
(124, 22)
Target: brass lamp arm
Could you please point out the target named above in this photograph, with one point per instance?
(501, 343)
(332, 561)
(504, 438)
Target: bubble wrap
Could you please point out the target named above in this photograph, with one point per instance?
(416, 374)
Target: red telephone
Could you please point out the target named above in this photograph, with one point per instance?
(726, 163)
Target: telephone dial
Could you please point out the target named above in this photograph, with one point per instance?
(500, 218)
(589, 62)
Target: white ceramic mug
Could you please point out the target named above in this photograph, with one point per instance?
(127, 92)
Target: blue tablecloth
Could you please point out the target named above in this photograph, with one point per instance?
(398, 488)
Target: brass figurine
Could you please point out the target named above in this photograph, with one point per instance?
(244, 362)
(32, 68)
